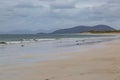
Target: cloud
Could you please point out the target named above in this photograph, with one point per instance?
(27, 5)
(47, 0)
(109, 10)
(52, 14)
(62, 4)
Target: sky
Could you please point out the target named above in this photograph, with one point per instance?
(57, 14)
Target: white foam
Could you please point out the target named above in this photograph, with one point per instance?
(29, 41)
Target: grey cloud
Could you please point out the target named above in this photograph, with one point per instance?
(41, 14)
(27, 5)
(56, 6)
(47, 0)
(111, 9)
(60, 4)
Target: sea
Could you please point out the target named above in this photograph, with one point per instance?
(19, 49)
(20, 38)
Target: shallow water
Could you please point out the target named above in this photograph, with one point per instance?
(28, 52)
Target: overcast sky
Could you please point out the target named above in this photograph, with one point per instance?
(57, 14)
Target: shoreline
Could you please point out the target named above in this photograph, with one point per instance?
(89, 33)
(100, 62)
(28, 53)
(30, 40)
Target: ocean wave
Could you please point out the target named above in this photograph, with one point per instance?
(25, 41)
(14, 42)
(44, 39)
(63, 41)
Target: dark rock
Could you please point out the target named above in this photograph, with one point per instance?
(3, 43)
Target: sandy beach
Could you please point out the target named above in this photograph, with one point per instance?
(95, 63)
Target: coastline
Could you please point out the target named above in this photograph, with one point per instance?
(100, 62)
(29, 52)
(90, 33)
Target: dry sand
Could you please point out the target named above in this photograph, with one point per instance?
(102, 63)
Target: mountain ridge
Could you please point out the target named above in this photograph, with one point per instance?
(80, 29)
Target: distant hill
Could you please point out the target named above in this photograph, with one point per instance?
(80, 29)
(115, 31)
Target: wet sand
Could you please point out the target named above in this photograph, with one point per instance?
(96, 63)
